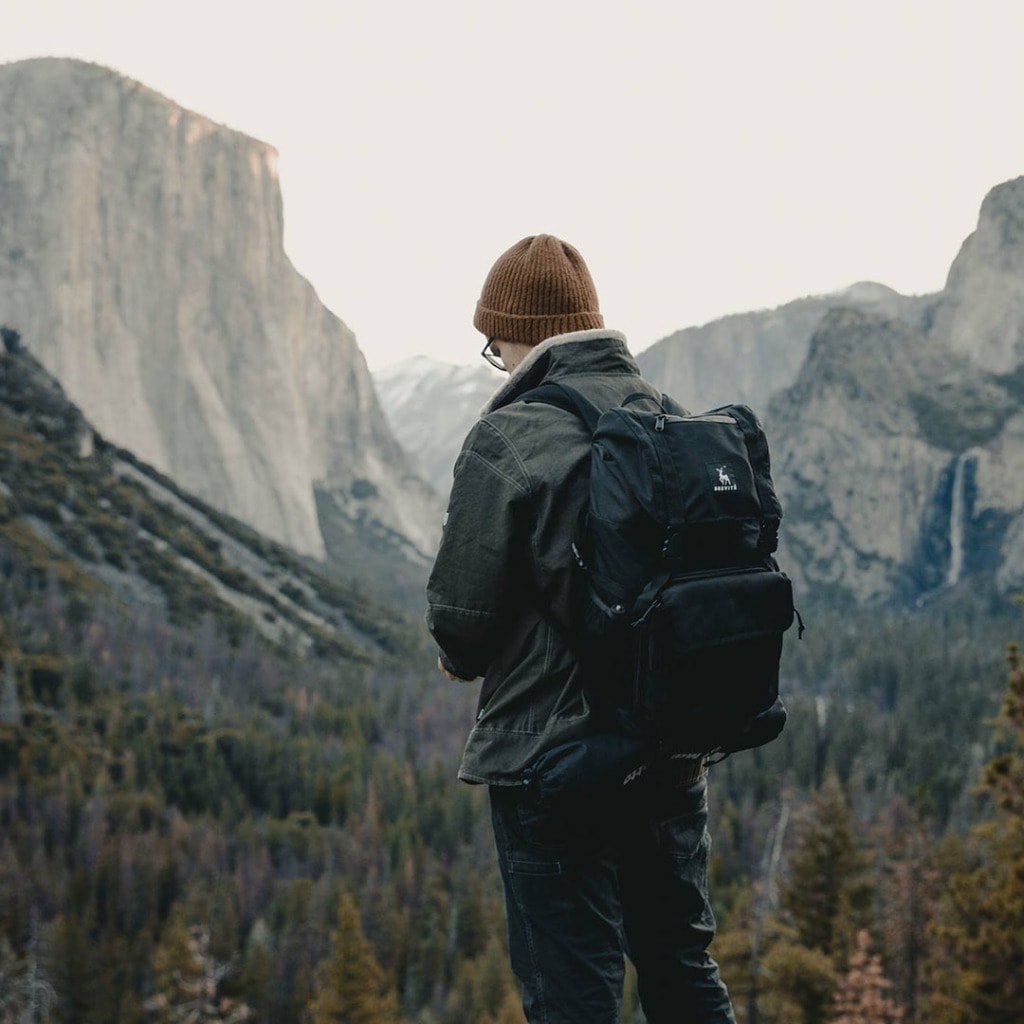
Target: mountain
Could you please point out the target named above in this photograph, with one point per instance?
(142, 262)
(896, 422)
(900, 448)
(981, 310)
(431, 406)
(899, 464)
(748, 357)
(99, 520)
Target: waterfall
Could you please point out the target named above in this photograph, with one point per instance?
(957, 511)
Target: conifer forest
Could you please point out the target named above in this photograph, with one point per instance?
(199, 823)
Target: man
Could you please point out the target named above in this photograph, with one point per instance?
(585, 881)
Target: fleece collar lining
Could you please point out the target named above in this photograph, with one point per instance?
(516, 378)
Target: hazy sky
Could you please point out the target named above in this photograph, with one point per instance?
(706, 158)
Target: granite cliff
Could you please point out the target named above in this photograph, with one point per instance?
(142, 262)
(900, 447)
(980, 312)
(899, 463)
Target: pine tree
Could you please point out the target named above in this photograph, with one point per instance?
(909, 890)
(826, 894)
(484, 991)
(351, 988)
(862, 996)
(798, 986)
(976, 968)
(255, 971)
(188, 978)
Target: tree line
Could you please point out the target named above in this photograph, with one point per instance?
(195, 823)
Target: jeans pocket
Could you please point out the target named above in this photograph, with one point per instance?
(538, 825)
(527, 828)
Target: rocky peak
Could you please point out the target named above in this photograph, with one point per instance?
(981, 310)
(1002, 210)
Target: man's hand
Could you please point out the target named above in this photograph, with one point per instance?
(450, 675)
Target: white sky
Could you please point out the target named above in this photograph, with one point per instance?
(706, 158)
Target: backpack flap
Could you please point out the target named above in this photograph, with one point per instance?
(692, 489)
(708, 659)
(713, 503)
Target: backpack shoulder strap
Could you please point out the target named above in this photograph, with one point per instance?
(570, 400)
(642, 396)
(670, 405)
(566, 398)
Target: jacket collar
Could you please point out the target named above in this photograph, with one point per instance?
(554, 353)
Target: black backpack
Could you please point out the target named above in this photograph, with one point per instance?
(684, 610)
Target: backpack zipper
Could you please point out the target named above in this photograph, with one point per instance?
(708, 419)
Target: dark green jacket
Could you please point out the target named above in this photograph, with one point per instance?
(502, 590)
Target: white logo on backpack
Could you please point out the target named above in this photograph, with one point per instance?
(722, 478)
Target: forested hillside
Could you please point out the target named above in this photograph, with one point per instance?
(73, 503)
(202, 814)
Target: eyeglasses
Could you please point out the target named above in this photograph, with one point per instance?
(494, 360)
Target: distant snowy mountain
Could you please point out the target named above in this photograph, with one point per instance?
(431, 406)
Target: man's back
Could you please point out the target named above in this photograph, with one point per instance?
(585, 882)
(531, 461)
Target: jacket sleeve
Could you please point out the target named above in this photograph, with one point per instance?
(474, 569)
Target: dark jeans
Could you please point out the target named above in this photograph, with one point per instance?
(583, 885)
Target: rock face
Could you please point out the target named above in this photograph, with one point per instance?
(898, 463)
(748, 357)
(431, 406)
(897, 424)
(981, 309)
(141, 259)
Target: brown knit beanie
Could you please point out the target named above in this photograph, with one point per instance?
(539, 288)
